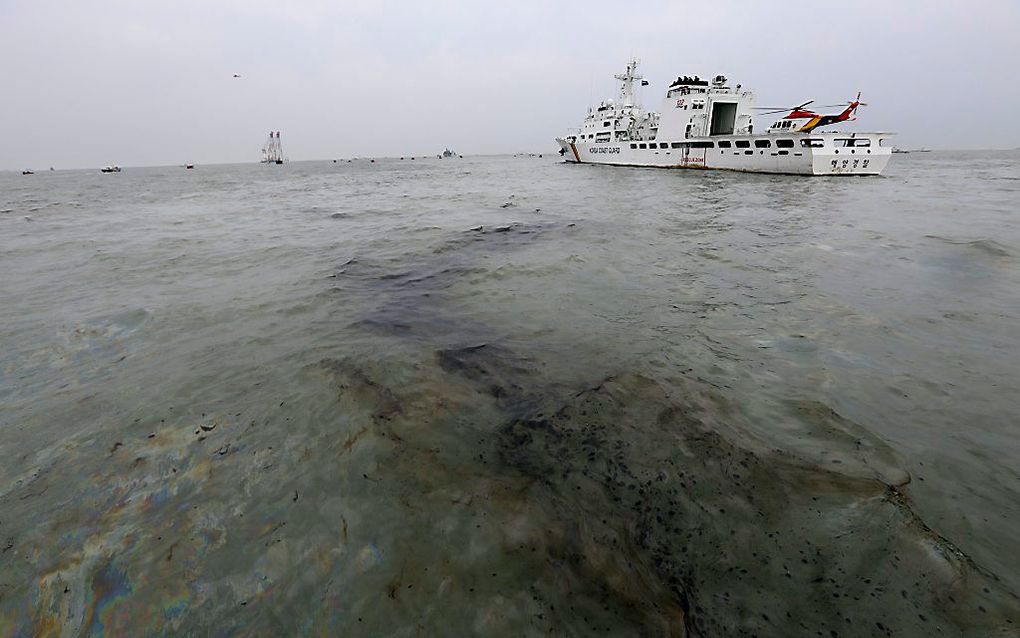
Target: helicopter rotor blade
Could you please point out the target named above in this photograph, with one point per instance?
(777, 109)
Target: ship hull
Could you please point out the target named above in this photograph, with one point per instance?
(818, 154)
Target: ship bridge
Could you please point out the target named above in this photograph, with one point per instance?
(692, 107)
(696, 108)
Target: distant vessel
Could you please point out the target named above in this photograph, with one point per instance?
(705, 124)
(272, 152)
(448, 153)
(27, 172)
(110, 169)
(189, 166)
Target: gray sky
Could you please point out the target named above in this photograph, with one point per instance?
(143, 83)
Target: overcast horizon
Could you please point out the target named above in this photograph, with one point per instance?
(152, 84)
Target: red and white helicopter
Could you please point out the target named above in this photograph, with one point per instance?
(814, 120)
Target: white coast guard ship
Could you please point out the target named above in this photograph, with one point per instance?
(705, 124)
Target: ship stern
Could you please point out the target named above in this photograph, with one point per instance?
(853, 154)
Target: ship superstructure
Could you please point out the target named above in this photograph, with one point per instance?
(709, 124)
(272, 152)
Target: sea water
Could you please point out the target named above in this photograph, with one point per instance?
(510, 396)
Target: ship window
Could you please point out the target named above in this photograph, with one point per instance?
(642, 146)
(663, 145)
(633, 145)
(883, 142)
(743, 144)
(702, 144)
(862, 142)
(812, 143)
(784, 143)
(676, 144)
(762, 144)
(840, 143)
(724, 144)
(784, 152)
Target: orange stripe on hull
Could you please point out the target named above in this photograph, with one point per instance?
(576, 156)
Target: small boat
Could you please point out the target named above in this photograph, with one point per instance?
(110, 169)
(189, 166)
(27, 172)
(448, 153)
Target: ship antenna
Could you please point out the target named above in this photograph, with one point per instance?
(627, 79)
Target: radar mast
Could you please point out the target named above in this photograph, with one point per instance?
(627, 78)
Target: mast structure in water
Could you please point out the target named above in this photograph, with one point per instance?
(272, 152)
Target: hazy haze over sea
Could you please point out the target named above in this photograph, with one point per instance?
(509, 396)
(148, 83)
